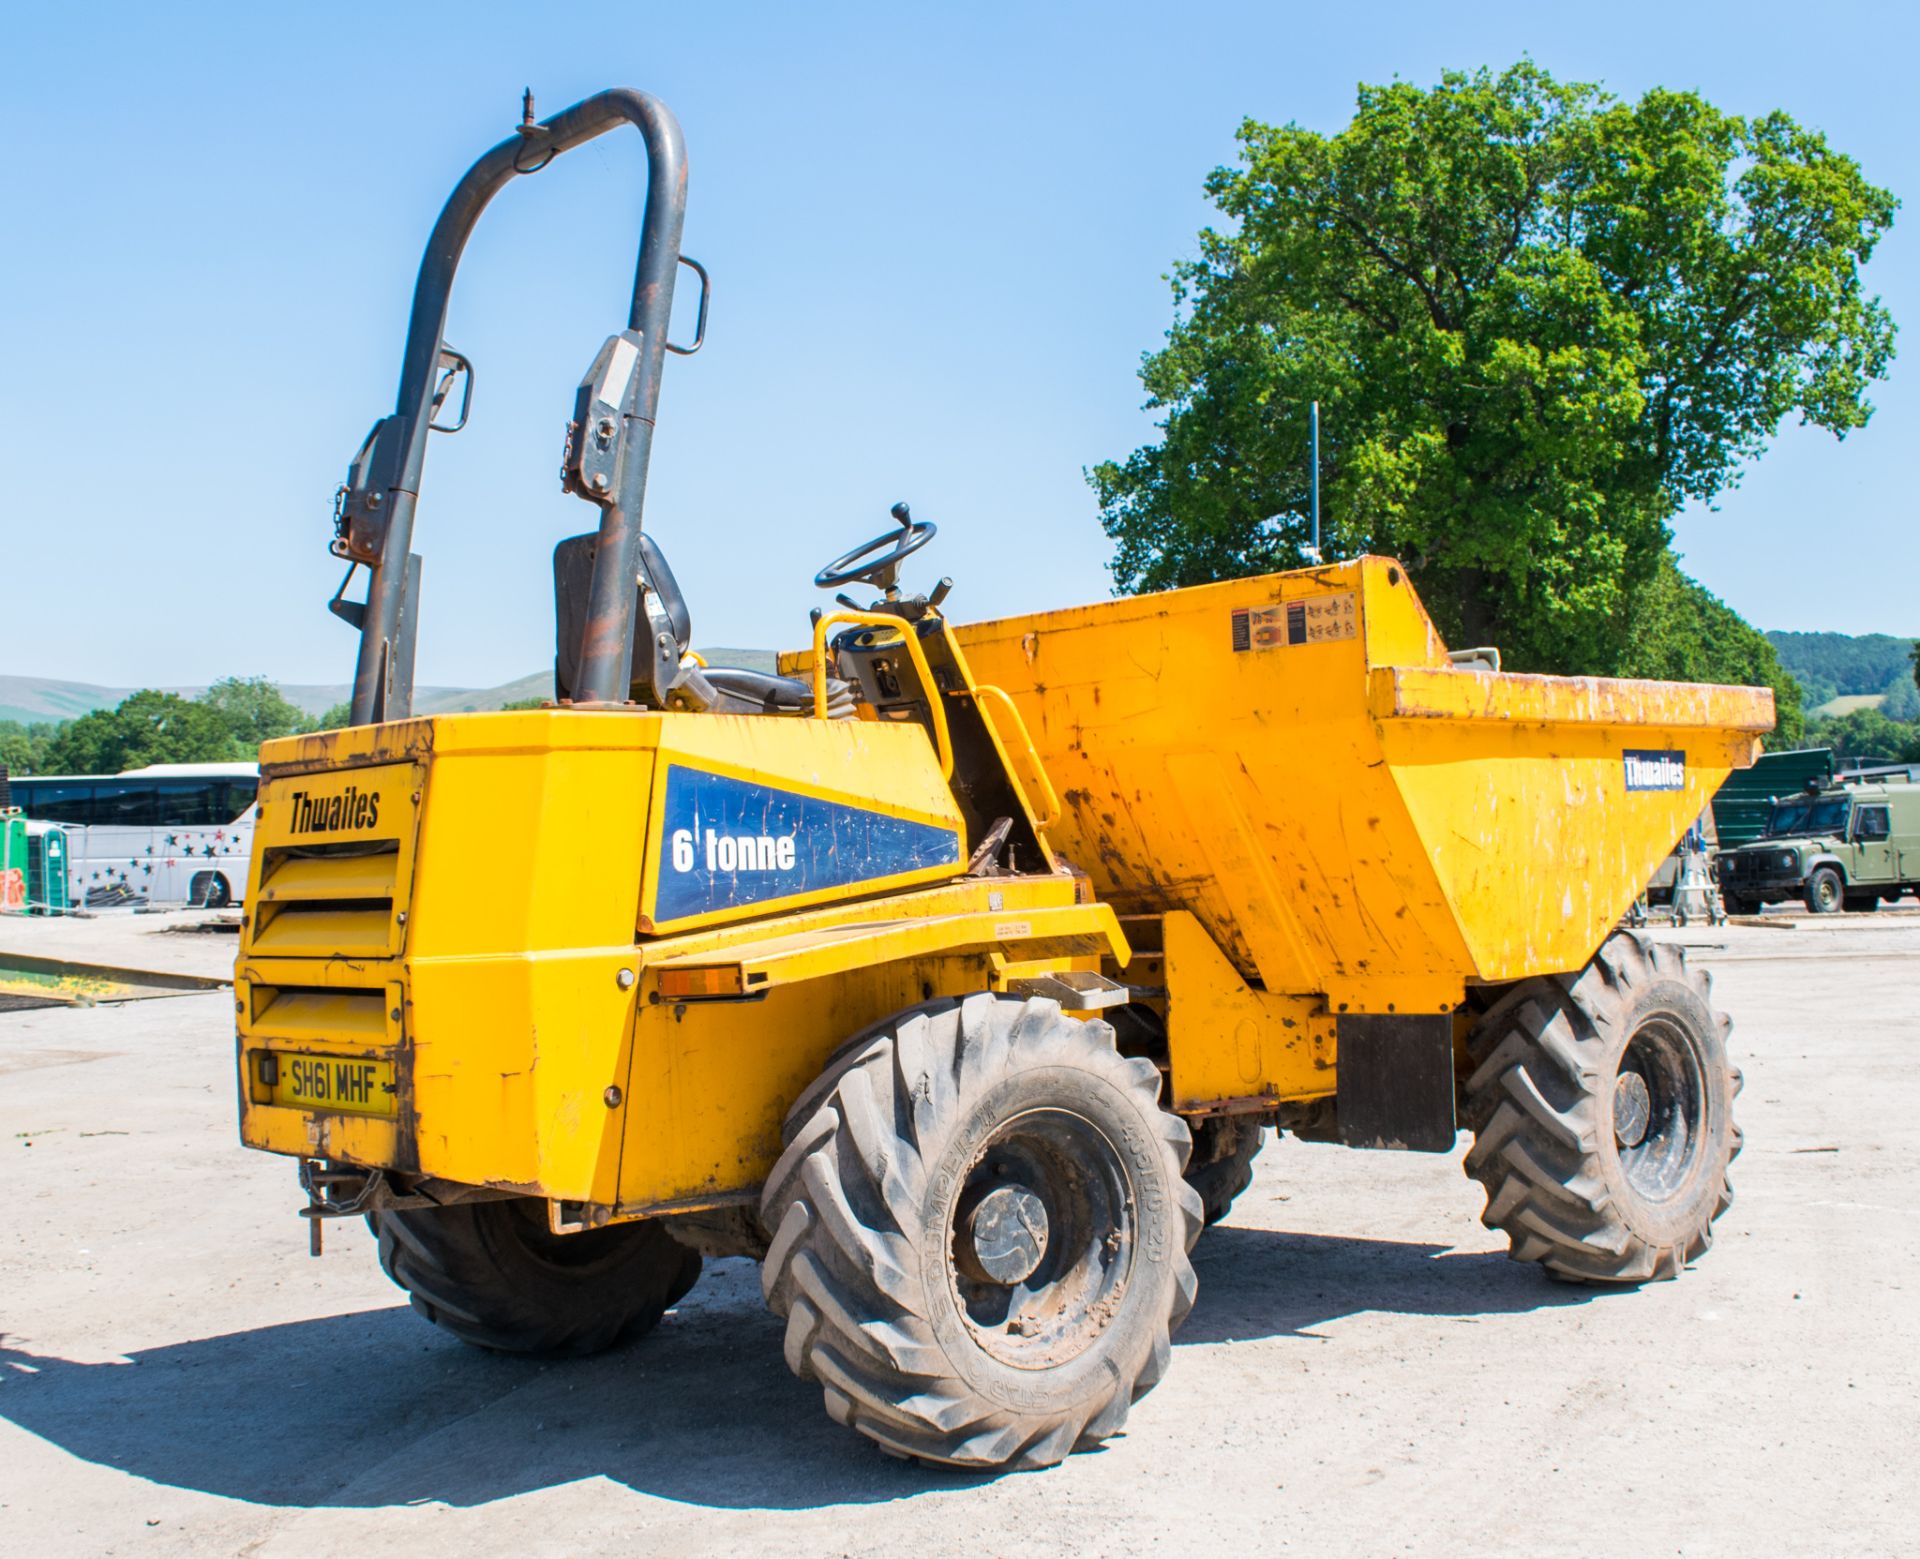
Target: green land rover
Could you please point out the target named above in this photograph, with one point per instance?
(1839, 847)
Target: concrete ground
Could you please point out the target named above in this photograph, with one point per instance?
(1364, 1372)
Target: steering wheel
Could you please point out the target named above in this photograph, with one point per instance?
(861, 565)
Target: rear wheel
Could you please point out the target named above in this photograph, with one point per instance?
(1602, 1109)
(1826, 891)
(1222, 1163)
(496, 1276)
(981, 1234)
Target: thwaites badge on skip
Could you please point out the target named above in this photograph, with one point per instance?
(1655, 770)
(1317, 620)
(728, 842)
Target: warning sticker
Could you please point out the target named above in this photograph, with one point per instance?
(1315, 620)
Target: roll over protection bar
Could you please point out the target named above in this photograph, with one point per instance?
(375, 517)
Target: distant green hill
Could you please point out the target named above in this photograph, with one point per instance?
(1846, 703)
(32, 700)
(1843, 665)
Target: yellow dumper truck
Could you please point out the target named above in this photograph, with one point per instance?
(955, 973)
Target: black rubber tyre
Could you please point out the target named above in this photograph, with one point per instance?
(496, 1276)
(1736, 905)
(1222, 1163)
(1826, 890)
(1602, 1111)
(889, 1211)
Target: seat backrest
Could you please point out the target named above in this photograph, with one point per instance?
(659, 606)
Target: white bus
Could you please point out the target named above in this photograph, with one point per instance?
(171, 833)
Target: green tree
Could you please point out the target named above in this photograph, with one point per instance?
(1538, 321)
(145, 727)
(1868, 735)
(1902, 701)
(1682, 632)
(23, 748)
(253, 711)
(338, 715)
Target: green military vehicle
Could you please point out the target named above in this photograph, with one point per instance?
(1833, 847)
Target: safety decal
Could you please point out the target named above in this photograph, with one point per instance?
(1316, 620)
(729, 842)
(1655, 770)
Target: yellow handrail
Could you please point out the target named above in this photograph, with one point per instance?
(1033, 756)
(942, 741)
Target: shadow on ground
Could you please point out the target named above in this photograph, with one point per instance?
(1269, 1283)
(377, 1408)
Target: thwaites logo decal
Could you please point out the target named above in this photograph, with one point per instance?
(729, 842)
(1655, 770)
(328, 814)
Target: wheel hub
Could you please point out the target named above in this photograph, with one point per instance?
(1007, 1234)
(1632, 1109)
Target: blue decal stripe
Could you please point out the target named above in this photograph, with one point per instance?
(729, 842)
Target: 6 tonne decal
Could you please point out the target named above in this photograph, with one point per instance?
(729, 842)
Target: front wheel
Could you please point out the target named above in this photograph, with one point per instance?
(980, 1233)
(1735, 904)
(1826, 892)
(1602, 1110)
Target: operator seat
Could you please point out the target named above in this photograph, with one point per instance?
(660, 607)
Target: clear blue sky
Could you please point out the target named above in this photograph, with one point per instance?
(937, 236)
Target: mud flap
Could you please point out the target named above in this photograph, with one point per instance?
(1396, 1084)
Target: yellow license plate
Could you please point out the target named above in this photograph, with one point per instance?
(349, 1085)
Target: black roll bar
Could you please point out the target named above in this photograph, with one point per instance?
(377, 511)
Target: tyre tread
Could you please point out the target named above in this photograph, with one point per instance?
(1533, 1099)
(839, 1199)
(461, 1271)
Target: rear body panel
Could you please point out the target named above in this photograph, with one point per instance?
(486, 948)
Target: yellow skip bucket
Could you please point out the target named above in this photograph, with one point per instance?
(1295, 760)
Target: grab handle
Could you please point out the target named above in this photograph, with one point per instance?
(942, 740)
(700, 324)
(1032, 753)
